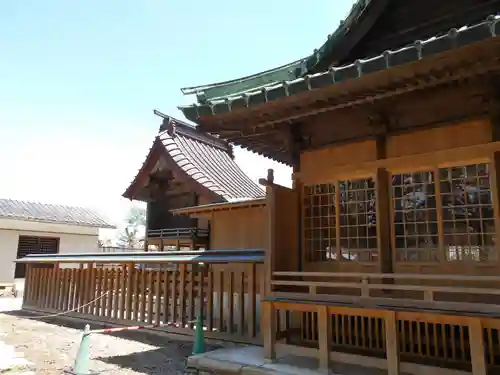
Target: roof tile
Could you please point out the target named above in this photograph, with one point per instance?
(51, 213)
(452, 39)
(206, 159)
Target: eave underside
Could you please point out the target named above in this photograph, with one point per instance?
(355, 108)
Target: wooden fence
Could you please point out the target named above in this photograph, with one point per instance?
(226, 296)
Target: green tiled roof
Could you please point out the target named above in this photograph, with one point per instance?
(243, 84)
(417, 51)
(286, 72)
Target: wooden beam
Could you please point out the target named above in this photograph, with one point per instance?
(461, 71)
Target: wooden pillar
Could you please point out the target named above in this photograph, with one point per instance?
(477, 348)
(495, 196)
(392, 343)
(383, 207)
(324, 338)
(271, 241)
(268, 324)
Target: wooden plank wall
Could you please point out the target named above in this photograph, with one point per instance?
(130, 295)
(241, 228)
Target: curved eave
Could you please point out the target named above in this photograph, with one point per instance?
(355, 26)
(141, 177)
(158, 150)
(354, 71)
(339, 43)
(243, 84)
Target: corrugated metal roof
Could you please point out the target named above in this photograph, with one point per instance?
(51, 213)
(206, 159)
(209, 256)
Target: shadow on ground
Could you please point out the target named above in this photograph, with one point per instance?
(156, 361)
(79, 324)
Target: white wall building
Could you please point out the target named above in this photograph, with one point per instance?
(35, 228)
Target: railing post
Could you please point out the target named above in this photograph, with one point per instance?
(128, 305)
(477, 349)
(324, 338)
(269, 331)
(392, 343)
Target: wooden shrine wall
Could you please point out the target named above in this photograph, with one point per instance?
(242, 228)
(435, 187)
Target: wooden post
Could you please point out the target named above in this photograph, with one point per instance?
(383, 205)
(252, 295)
(269, 331)
(128, 303)
(392, 343)
(27, 284)
(477, 349)
(270, 250)
(270, 176)
(324, 338)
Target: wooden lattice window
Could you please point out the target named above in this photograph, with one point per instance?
(320, 221)
(358, 222)
(449, 221)
(415, 216)
(467, 211)
(347, 234)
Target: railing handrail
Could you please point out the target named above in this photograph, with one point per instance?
(440, 277)
(365, 283)
(178, 232)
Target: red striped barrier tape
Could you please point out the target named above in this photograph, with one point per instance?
(133, 328)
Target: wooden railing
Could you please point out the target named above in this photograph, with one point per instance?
(178, 233)
(468, 294)
(226, 295)
(397, 322)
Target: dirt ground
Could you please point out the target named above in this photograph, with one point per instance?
(51, 345)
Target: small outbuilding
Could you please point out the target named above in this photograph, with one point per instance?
(36, 228)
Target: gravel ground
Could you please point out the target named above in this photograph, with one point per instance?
(51, 345)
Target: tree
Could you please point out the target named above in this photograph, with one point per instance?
(136, 216)
(135, 219)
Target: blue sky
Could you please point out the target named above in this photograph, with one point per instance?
(79, 81)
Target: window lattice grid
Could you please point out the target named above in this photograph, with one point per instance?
(415, 216)
(358, 224)
(319, 222)
(467, 211)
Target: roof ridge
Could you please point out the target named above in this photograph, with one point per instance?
(173, 126)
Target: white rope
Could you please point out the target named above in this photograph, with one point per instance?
(66, 312)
